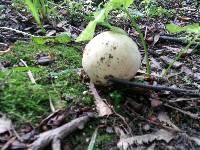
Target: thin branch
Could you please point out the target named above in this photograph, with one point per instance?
(17, 31)
(155, 87)
(194, 116)
(183, 99)
(8, 143)
(178, 40)
(60, 133)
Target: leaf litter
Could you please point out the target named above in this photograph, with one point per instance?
(5, 124)
(161, 134)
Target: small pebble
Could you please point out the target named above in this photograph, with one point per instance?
(109, 130)
(44, 60)
(146, 127)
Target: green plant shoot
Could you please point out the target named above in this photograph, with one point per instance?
(194, 29)
(34, 8)
(101, 17)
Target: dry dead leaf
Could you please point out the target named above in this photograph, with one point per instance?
(176, 50)
(5, 124)
(184, 18)
(161, 134)
(163, 117)
(156, 38)
(196, 140)
(152, 146)
(102, 108)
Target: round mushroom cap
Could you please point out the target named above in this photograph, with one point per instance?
(111, 54)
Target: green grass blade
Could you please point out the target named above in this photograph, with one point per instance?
(34, 11)
(93, 139)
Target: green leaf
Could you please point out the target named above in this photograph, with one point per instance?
(88, 33)
(93, 139)
(136, 14)
(194, 28)
(5, 73)
(121, 3)
(34, 10)
(22, 69)
(117, 97)
(113, 28)
(101, 18)
(128, 3)
(61, 38)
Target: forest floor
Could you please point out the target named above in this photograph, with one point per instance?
(59, 91)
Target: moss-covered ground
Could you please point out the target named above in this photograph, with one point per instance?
(59, 81)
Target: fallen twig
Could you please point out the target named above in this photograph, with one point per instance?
(178, 40)
(45, 120)
(155, 87)
(194, 116)
(17, 31)
(124, 120)
(8, 144)
(182, 99)
(56, 135)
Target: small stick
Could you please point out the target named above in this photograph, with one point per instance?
(54, 136)
(8, 144)
(17, 31)
(194, 116)
(17, 135)
(183, 99)
(178, 40)
(155, 87)
(30, 75)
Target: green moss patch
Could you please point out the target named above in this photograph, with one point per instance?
(59, 81)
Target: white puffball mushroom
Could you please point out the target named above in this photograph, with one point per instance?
(111, 54)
